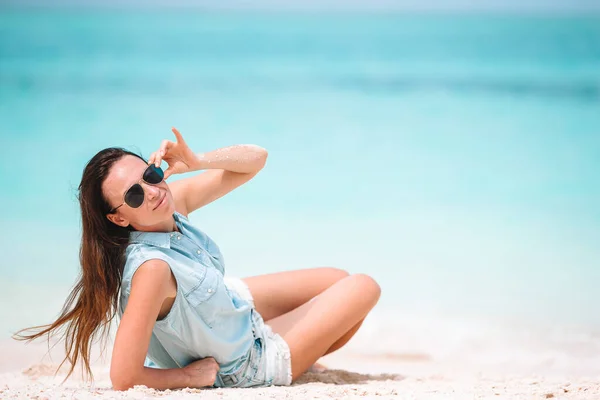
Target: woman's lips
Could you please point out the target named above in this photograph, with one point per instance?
(161, 202)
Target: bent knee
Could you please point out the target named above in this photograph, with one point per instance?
(368, 286)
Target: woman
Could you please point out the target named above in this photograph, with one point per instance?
(182, 324)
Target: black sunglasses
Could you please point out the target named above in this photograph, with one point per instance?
(134, 196)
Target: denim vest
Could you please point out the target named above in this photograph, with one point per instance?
(206, 319)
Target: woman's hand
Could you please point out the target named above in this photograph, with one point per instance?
(178, 155)
(202, 373)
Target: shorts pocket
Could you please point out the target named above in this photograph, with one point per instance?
(250, 373)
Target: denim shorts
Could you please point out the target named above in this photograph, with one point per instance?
(269, 361)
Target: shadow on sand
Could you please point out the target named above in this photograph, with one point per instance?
(341, 377)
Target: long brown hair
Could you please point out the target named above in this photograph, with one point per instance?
(92, 303)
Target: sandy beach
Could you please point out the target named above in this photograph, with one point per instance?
(351, 375)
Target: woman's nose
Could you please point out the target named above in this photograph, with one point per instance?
(153, 191)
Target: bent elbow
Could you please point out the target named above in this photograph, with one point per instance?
(121, 380)
(121, 384)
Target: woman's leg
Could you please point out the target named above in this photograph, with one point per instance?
(281, 292)
(344, 339)
(316, 327)
(285, 322)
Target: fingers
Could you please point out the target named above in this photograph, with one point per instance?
(168, 173)
(178, 135)
(157, 157)
(152, 158)
(164, 147)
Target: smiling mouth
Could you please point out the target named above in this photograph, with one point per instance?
(160, 202)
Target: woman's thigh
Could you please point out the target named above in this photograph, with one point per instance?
(279, 293)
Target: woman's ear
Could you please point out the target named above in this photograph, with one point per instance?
(118, 220)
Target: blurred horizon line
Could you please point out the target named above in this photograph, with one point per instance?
(463, 7)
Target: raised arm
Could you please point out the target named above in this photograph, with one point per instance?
(227, 168)
(152, 284)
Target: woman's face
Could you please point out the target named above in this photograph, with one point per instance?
(153, 213)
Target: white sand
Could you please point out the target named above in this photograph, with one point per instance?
(351, 376)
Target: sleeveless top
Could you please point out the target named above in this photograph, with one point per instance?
(206, 319)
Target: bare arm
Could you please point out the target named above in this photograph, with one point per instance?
(151, 285)
(227, 168)
(223, 175)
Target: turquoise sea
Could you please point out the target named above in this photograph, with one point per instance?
(455, 158)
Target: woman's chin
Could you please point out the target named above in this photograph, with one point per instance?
(168, 208)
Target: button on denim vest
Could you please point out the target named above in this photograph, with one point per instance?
(206, 318)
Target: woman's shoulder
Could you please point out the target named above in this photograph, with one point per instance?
(139, 252)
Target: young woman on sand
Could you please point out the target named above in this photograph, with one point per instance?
(182, 323)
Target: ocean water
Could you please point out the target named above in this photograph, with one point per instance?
(455, 158)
